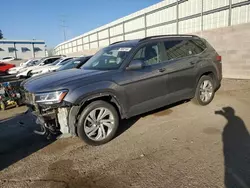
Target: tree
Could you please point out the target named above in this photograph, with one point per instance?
(1, 34)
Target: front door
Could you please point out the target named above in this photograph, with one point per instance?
(145, 88)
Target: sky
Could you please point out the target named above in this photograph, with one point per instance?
(42, 19)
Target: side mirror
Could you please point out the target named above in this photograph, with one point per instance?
(135, 65)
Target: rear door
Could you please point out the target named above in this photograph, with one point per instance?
(181, 59)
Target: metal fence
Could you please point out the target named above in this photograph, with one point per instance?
(166, 17)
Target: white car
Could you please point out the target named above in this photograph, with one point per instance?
(7, 59)
(28, 63)
(52, 67)
(26, 71)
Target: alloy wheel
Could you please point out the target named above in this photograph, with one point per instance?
(99, 123)
(206, 90)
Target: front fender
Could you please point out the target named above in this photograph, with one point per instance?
(97, 90)
(77, 95)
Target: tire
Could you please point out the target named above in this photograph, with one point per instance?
(29, 74)
(84, 125)
(199, 97)
(2, 106)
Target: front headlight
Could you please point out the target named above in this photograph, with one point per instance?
(50, 97)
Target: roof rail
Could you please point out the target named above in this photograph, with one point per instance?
(118, 42)
(161, 36)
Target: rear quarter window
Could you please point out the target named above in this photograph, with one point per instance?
(199, 45)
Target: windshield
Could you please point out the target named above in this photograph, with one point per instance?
(108, 58)
(7, 58)
(70, 64)
(26, 62)
(40, 61)
(32, 63)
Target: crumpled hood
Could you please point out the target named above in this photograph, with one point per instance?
(53, 81)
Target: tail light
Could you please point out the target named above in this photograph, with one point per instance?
(218, 58)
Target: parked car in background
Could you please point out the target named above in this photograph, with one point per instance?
(123, 80)
(28, 63)
(7, 59)
(4, 67)
(51, 67)
(75, 63)
(26, 71)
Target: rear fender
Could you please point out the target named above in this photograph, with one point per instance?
(205, 69)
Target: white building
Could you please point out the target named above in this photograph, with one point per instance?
(22, 49)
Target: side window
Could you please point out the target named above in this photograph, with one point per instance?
(176, 49)
(52, 60)
(149, 54)
(48, 61)
(6, 58)
(199, 45)
(183, 48)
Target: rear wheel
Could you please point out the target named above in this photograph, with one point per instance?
(204, 93)
(98, 123)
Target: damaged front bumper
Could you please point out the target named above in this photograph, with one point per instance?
(53, 119)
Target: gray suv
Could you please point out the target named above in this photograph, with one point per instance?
(125, 79)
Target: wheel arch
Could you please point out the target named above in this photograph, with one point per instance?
(76, 110)
(208, 72)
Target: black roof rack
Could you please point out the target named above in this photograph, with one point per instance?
(161, 36)
(118, 42)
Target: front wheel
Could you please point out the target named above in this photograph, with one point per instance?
(98, 123)
(204, 93)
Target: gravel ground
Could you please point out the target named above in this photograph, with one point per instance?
(179, 146)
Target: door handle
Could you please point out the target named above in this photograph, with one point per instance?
(161, 69)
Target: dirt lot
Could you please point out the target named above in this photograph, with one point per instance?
(180, 146)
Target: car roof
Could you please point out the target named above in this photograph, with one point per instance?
(137, 41)
(83, 57)
(125, 43)
(51, 57)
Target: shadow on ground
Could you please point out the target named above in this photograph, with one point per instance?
(17, 139)
(127, 123)
(236, 147)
